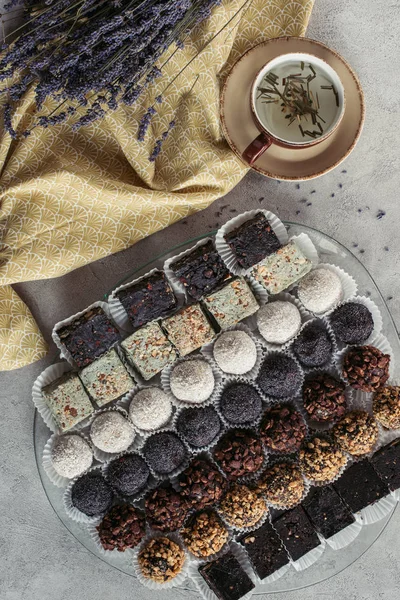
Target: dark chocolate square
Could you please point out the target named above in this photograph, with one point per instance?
(326, 510)
(296, 532)
(387, 464)
(149, 299)
(226, 578)
(253, 241)
(265, 550)
(360, 486)
(201, 271)
(89, 336)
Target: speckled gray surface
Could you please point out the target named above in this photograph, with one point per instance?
(39, 558)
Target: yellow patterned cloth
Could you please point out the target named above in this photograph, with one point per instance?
(68, 198)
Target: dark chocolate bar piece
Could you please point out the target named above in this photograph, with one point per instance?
(296, 532)
(265, 550)
(360, 486)
(387, 464)
(252, 241)
(327, 511)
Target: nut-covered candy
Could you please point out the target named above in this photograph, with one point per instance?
(121, 528)
(201, 484)
(386, 406)
(321, 460)
(282, 428)
(356, 432)
(239, 452)
(282, 484)
(242, 506)
(324, 398)
(161, 559)
(366, 368)
(204, 534)
(165, 509)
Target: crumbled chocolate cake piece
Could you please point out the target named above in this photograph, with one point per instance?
(360, 486)
(252, 241)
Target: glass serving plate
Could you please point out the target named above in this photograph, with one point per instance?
(331, 562)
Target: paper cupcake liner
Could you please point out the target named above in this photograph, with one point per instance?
(55, 478)
(396, 494)
(125, 402)
(273, 399)
(284, 458)
(159, 477)
(225, 251)
(307, 560)
(73, 513)
(227, 382)
(139, 496)
(376, 316)
(314, 482)
(378, 511)
(331, 361)
(196, 450)
(99, 454)
(344, 538)
(225, 548)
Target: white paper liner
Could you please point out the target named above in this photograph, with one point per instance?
(376, 316)
(94, 535)
(52, 373)
(378, 511)
(71, 510)
(396, 494)
(345, 537)
(229, 381)
(99, 454)
(55, 478)
(273, 399)
(125, 402)
(306, 561)
(225, 251)
(139, 496)
(173, 474)
(331, 361)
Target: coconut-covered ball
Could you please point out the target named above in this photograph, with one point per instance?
(356, 432)
(313, 346)
(128, 474)
(71, 456)
(282, 484)
(240, 403)
(166, 509)
(386, 406)
(352, 323)
(164, 452)
(321, 460)
(161, 559)
(366, 368)
(279, 321)
(112, 432)
(279, 376)
(199, 426)
(235, 352)
(242, 506)
(150, 409)
(192, 381)
(91, 494)
(320, 290)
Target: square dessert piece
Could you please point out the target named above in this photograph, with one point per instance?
(89, 336)
(252, 241)
(265, 550)
(387, 464)
(226, 578)
(106, 379)
(149, 350)
(327, 512)
(200, 271)
(296, 532)
(279, 270)
(188, 329)
(67, 400)
(231, 304)
(360, 486)
(149, 299)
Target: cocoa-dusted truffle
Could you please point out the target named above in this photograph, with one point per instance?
(164, 452)
(321, 460)
(282, 484)
(324, 398)
(366, 368)
(279, 376)
(356, 432)
(121, 528)
(201, 484)
(313, 346)
(198, 426)
(386, 406)
(242, 506)
(240, 403)
(128, 474)
(352, 323)
(165, 509)
(239, 453)
(283, 428)
(91, 494)
(161, 560)
(204, 534)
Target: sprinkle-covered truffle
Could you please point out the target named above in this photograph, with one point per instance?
(321, 460)
(128, 474)
(366, 368)
(239, 452)
(240, 403)
(198, 426)
(164, 452)
(386, 406)
(112, 432)
(204, 534)
(282, 484)
(91, 494)
(324, 398)
(161, 560)
(235, 352)
(313, 346)
(192, 381)
(71, 456)
(283, 428)
(242, 506)
(121, 528)
(166, 509)
(202, 484)
(279, 376)
(352, 323)
(356, 432)
(279, 321)
(150, 409)
(320, 290)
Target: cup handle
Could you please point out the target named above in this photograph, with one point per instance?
(256, 148)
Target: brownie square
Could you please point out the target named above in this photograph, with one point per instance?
(106, 379)
(360, 486)
(149, 350)
(149, 299)
(265, 550)
(387, 464)
(89, 336)
(232, 303)
(67, 400)
(252, 241)
(226, 578)
(296, 532)
(200, 271)
(188, 329)
(327, 512)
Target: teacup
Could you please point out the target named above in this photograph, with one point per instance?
(290, 84)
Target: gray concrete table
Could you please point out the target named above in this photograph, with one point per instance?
(39, 559)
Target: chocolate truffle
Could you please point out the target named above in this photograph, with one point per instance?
(282, 484)
(326, 511)
(128, 474)
(198, 426)
(366, 368)
(356, 432)
(166, 509)
(150, 409)
(321, 460)
(279, 376)
(204, 534)
(226, 577)
(106, 379)
(282, 268)
(279, 321)
(235, 352)
(324, 398)
(386, 463)
(91, 494)
(67, 400)
(161, 560)
(239, 453)
(352, 323)
(265, 550)
(188, 329)
(71, 456)
(111, 432)
(164, 452)
(192, 380)
(360, 486)
(282, 428)
(386, 406)
(121, 528)
(313, 346)
(242, 506)
(296, 532)
(201, 484)
(240, 403)
(232, 303)
(320, 290)
(148, 350)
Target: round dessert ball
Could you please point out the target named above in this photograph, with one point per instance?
(386, 406)
(201, 484)
(121, 528)
(161, 559)
(352, 323)
(279, 321)
(71, 456)
(91, 494)
(112, 432)
(283, 428)
(324, 398)
(313, 346)
(282, 484)
(165, 509)
(198, 426)
(320, 290)
(164, 452)
(321, 460)
(235, 352)
(366, 368)
(242, 506)
(239, 452)
(240, 403)
(150, 409)
(128, 474)
(279, 376)
(356, 432)
(192, 381)
(204, 534)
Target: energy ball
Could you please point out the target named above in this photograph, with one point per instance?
(313, 346)
(91, 494)
(204, 534)
(112, 432)
(128, 474)
(282, 484)
(71, 456)
(150, 409)
(239, 453)
(283, 428)
(356, 433)
(366, 368)
(279, 321)
(201, 484)
(242, 506)
(386, 406)
(164, 452)
(321, 460)
(165, 509)
(121, 528)
(192, 381)
(352, 323)
(324, 398)
(198, 426)
(235, 352)
(161, 560)
(279, 376)
(320, 290)
(240, 403)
